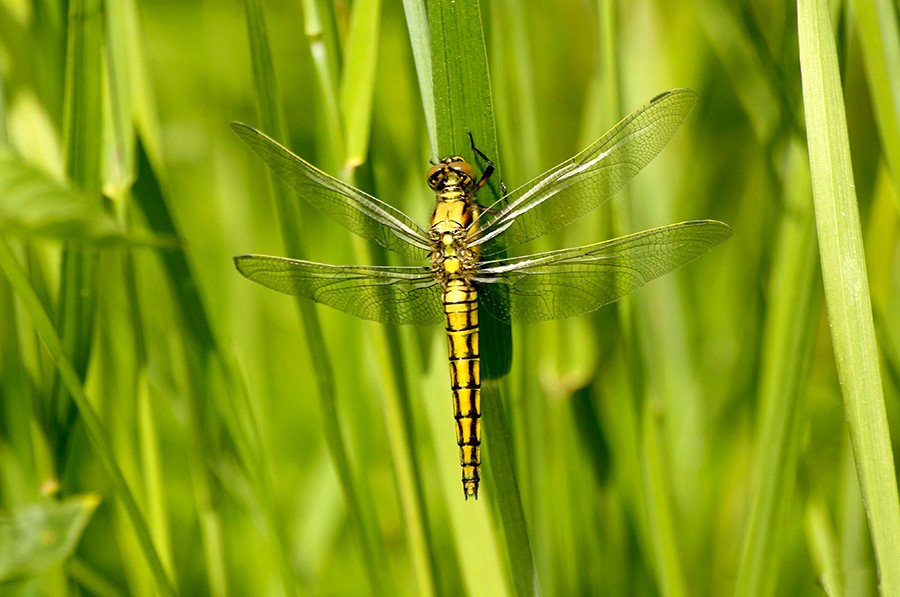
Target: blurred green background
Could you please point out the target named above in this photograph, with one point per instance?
(169, 427)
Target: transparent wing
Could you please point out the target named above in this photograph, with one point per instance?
(403, 295)
(353, 209)
(570, 282)
(584, 182)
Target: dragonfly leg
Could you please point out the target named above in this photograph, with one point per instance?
(488, 170)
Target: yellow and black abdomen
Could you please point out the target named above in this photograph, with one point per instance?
(461, 308)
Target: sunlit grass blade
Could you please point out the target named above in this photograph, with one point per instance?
(417, 24)
(354, 110)
(119, 155)
(846, 285)
(323, 46)
(476, 559)
(358, 78)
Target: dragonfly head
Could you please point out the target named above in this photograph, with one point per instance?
(450, 172)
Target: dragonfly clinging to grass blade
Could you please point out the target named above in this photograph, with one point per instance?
(465, 246)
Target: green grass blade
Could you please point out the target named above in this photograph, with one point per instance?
(82, 134)
(398, 418)
(461, 82)
(856, 558)
(82, 117)
(358, 79)
(879, 36)
(846, 285)
(417, 24)
(201, 352)
(323, 48)
(788, 341)
(506, 488)
(89, 418)
(823, 546)
(463, 105)
(265, 84)
(659, 509)
(119, 154)
(356, 98)
(149, 197)
(354, 110)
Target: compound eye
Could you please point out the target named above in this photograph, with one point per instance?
(463, 168)
(436, 175)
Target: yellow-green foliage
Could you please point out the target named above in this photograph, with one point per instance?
(722, 430)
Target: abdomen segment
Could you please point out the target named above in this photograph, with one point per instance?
(461, 308)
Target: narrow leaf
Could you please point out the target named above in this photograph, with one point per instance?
(846, 285)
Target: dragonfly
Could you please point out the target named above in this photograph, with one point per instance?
(465, 248)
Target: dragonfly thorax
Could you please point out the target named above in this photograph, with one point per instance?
(451, 255)
(455, 212)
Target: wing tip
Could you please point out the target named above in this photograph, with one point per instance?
(686, 93)
(240, 128)
(725, 231)
(238, 261)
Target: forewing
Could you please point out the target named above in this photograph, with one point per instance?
(402, 295)
(353, 209)
(584, 182)
(570, 282)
